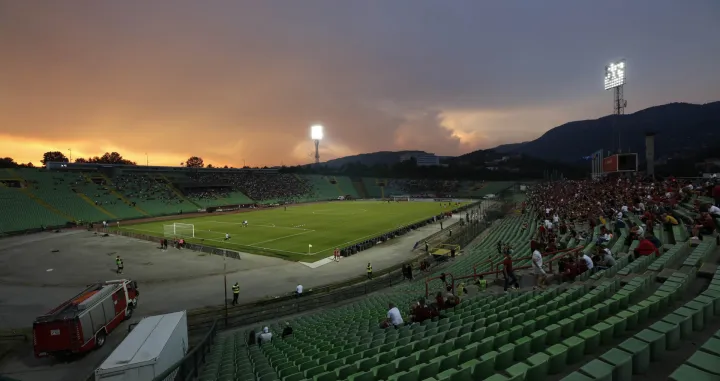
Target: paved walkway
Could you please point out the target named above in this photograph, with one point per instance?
(40, 271)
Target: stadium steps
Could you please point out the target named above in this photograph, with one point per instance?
(333, 180)
(685, 314)
(177, 192)
(360, 187)
(111, 188)
(98, 207)
(703, 363)
(47, 206)
(381, 183)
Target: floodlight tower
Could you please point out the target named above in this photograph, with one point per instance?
(615, 80)
(316, 134)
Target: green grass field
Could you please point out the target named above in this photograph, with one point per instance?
(288, 233)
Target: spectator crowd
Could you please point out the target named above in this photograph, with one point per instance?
(257, 186)
(595, 215)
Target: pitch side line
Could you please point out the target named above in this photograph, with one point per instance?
(241, 245)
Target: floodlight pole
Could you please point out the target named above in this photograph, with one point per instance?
(317, 151)
(225, 285)
(619, 105)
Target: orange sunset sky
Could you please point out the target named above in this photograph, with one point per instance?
(235, 81)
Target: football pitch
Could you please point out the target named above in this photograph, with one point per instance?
(288, 233)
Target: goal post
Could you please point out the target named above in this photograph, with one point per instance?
(179, 230)
(400, 198)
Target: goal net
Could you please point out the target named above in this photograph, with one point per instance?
(400, 198)
(179, 230)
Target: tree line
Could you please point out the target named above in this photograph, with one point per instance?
(522, 168)
(106, 158)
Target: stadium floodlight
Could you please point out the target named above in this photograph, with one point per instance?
(316, 133)
(615, 74)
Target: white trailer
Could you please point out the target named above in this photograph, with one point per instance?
(153, 346)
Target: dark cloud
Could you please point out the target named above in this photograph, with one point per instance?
(233, 79)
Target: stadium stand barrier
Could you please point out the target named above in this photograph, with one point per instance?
(188, 246)
(288, 304)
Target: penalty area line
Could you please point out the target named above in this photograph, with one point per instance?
(283, 237)
(258, 225)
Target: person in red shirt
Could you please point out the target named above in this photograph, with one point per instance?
(421, 312)
(716, 194)
(534, 245)
(646, 247)
(440, 301)
(508, 272)
(570, 269)
(706, 226)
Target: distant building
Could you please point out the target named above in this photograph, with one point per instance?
(422, 159)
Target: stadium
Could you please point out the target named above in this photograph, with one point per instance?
(587, 251)
(72, 220)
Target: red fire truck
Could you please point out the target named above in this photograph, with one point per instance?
(82, 322)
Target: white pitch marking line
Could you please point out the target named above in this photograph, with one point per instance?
(227, 242)
(279, 238)
(251, 225)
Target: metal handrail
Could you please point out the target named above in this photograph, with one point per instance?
(427, 282)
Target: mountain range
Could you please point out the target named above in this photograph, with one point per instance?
(678, 127)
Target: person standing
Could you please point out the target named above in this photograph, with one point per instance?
(236, 293)
(508, 273)
(369, 271)
(537, 264)
(119, 264)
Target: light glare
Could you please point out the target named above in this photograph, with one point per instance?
(614, 75)
(316, 132)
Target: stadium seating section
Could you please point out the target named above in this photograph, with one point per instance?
(608, 325)
(54, 198)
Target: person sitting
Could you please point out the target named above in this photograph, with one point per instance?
(452, 301)
(669, 221)
(705, 226)
(264, 337)
(287, 331)
(654, 240)
(252, 337)
(646, 247)
(570, 269)
(480, 282)
(606, 259)
(439, 301)
(460, 289)
(421, 312)
(394, 318)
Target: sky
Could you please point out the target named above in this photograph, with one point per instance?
(242, 81)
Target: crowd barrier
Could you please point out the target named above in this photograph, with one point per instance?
(188, 246)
